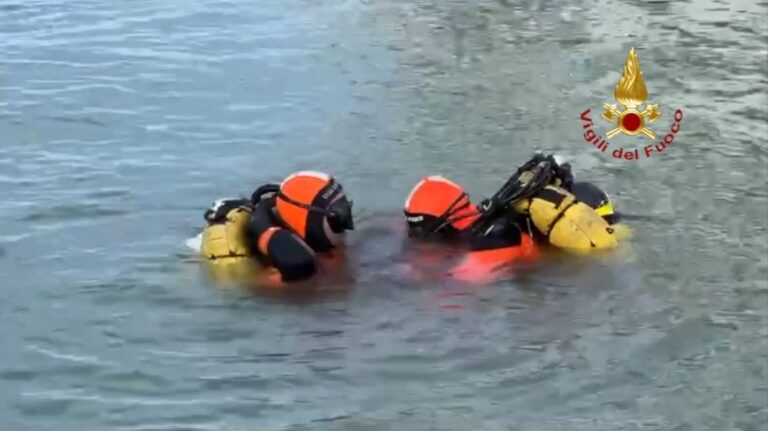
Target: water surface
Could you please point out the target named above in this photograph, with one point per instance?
(120, 123)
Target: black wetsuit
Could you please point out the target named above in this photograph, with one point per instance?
(284, 250)
(503, 232)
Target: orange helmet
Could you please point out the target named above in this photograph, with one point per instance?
(315, 207)
(437, 205)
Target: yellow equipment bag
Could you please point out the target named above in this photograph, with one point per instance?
(226, 238)
(566, 222)
(233, 271)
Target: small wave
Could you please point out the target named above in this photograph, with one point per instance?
(195, 243)
(11, 7)
(79, 395)
(77, 120)
(108, 193)
(89, 360)
(73, 212)
(174, 427)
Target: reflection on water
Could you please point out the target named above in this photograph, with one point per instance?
(122, 122)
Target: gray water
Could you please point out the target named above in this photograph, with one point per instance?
(122, 121)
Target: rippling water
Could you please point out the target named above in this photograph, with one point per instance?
(121, 122)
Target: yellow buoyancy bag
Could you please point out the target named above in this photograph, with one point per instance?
(226, 237)
(566, 222)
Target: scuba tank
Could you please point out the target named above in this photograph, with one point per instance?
(242, 229)
(224, 237)
(538, 190)
(566, 222)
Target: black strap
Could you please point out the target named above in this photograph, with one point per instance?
(447, 217)
(559, 216)
(264, 190)
(552, 196)
(230, 255)
(557, 219)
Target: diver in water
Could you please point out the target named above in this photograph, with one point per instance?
(438, 209)
(540, 203)
(283, 226)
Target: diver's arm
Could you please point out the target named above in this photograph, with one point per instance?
(285, 251)
(501, 233)
(502, 243)
(288, 253)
